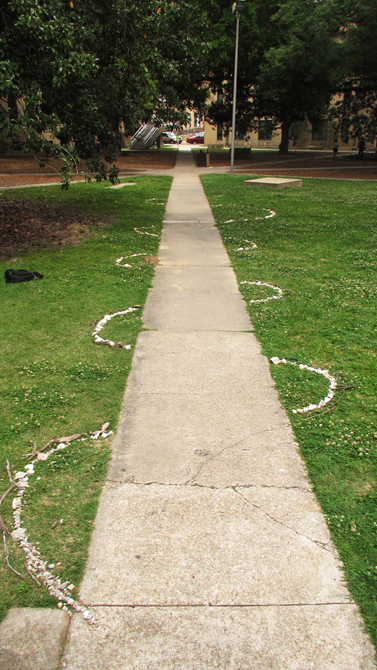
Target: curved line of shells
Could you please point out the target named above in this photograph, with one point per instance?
(253, 245)
(34, 561)
(139, 231)
(279, 291)
(333, 383)
(275, 359)
(97, 339)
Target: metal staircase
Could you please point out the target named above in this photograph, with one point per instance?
(144, 137)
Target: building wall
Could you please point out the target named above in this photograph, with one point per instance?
(303, 136)
(211, 137)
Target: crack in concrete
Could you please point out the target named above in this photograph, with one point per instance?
(212, 487)
(332, 603)
(231, 446)
(192, 394)
(322, 545)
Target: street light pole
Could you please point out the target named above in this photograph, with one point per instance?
(237, 7)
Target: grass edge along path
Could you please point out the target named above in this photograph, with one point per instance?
(56, 381)
(318, 245)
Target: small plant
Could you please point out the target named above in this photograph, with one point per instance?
(113, 174)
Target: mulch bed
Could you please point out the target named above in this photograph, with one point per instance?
(21, 165)
(31, 180)
(26, 223)
(147, 159)
(350, 173)
(302, 164)
(25, 170)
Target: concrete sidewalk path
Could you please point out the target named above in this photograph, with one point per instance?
(209, 548)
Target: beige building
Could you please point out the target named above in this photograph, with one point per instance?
(303, 136)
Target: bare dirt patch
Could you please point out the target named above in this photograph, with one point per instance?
(147, 159)
(302, 164)
(151, 260)
(26, 171)
(25, 224)
(317, 173)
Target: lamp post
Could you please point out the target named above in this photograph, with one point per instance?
(237, 7)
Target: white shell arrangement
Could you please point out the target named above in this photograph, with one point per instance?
(99, 340)
(253, 246)
(333, 384)
(36, 566)
(269, 216)
(141, 231)
(118, 261)
(263, 283)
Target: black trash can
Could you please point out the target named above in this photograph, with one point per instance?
(202, 158)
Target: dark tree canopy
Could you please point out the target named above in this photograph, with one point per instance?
(80, 68)
(299, 74)
(290, 64)
(356, 111)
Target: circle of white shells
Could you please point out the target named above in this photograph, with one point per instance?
(118, 261)
(333, 383)
(279, 291)
(36, 565)
(253, 246)
(97, 339)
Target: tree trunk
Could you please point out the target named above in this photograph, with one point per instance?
(283, 146)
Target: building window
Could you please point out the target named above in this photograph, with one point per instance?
(197, 121)
(319, 131)
(219, 132)
(344, 130)
(239, 134)
(264, 129)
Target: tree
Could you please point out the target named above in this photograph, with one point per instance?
(254, 40)
(356, 110)
(78, 69)
(290, 64)
(302, 71)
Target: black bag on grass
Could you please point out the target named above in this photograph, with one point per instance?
(16, 276)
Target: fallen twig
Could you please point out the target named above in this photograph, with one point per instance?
(70, 438)
(6, 493)
(6, 552)
(343, 389)
(56, 440)
(10, 475)
(3, 527)
(31, 575)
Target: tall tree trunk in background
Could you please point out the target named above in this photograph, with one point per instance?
(285, 126)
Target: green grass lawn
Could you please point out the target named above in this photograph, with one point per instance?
(321, 249)
(56, 381)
